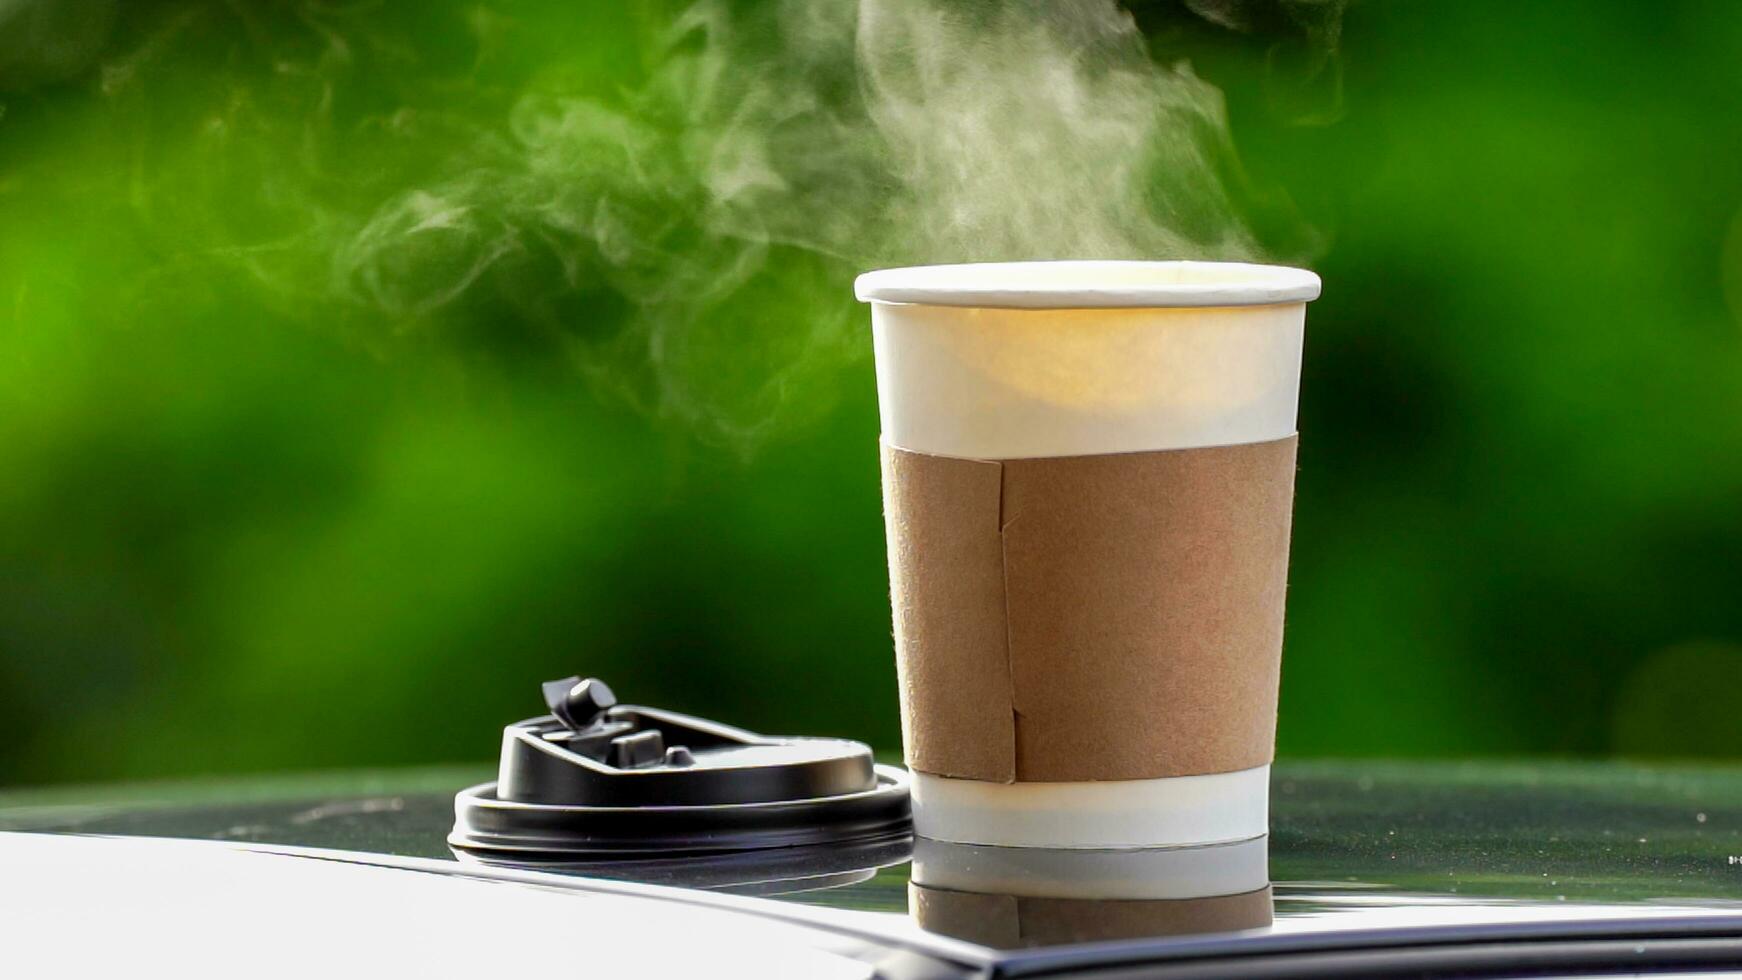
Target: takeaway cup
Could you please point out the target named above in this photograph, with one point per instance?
(1088, 474)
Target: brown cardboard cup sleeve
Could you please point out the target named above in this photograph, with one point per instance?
(1079, 618)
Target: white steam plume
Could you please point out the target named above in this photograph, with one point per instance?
(688, 241)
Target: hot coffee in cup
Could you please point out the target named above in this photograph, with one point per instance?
(1088, 472)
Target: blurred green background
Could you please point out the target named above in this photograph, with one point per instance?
(364, 363)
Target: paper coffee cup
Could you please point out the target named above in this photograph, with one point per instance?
(1088, 478)
(1030, 896)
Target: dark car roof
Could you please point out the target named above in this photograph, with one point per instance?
(1379, 854)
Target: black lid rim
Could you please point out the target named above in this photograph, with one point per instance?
(485, 824)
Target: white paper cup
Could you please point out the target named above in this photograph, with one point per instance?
(1076, 358)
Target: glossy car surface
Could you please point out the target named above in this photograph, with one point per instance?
(1497, 869)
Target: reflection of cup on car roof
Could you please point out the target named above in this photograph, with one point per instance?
(1028, 896)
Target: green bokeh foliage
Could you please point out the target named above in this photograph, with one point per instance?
(325, 431)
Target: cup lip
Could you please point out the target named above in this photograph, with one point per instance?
(1059, 284)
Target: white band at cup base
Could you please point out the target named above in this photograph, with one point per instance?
(1173, 811)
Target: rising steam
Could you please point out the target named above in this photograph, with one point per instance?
(1040, 131)
(689, 242)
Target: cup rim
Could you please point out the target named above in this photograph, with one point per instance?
(1089, 284)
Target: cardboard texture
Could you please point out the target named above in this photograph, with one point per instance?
(1011, 921)
(1089, 617)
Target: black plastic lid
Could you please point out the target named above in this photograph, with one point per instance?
(597, 778)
